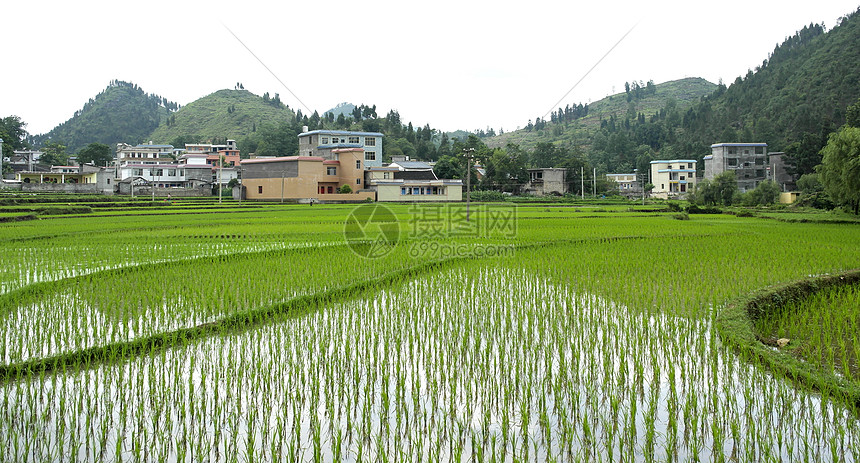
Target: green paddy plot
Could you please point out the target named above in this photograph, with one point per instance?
(533, 332)
(822, 329)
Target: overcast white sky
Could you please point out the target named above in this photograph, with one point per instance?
(452, 64)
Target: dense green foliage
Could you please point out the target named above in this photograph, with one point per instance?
(98, 154)
(123, 112)
(840, 168)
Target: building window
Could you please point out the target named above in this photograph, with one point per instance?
(369, 141)
(759, 161)
(733, 151)
(324, 141)
(358, 181)
(386, 175)
(259, 189)
(403, 190)
(353, 140)
(689, 166)
(358, 164)
(331, 170)
(171, 172)
(370, 156)
(732, 162)
(759, 150)
(330, 190)
(759, 173)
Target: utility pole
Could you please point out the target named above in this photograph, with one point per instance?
(1, 160)
(582, 181)
(468, 152)
(241, 186)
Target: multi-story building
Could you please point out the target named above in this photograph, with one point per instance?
(322, 143)
(628, 185)
(747, 160)
(298, 178)
(229, 153)
(673, 178)
(545, 181)
(146, 154)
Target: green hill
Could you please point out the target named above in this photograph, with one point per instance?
(792, 101)
(580, 131)
(224, 114)
(123, 112)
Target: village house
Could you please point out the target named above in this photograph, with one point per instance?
(673, 178)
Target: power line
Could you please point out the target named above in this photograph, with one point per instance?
(267, 68)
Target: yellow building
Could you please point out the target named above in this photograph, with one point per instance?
(673, 178)
(61, 174)
(307, 177)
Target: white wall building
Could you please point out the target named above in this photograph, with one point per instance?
(322, 142)
(673, 178)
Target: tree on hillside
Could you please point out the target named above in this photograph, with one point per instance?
(279, 139)
(852, 115)
(13, 134)
(840, 168)
(54, 153)
(802, 156)
(96, 153)
(506, 169)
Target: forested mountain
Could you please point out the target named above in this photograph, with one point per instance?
(791, 101)
(579, 124)
(123, 112)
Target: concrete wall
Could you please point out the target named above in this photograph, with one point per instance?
(392, 193)
(82, 188)
(202, 190)
(10, 186)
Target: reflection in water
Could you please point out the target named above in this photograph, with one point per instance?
(494, 365)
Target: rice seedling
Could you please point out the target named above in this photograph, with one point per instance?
(573, 349)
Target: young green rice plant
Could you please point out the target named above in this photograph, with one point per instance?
(542, 339)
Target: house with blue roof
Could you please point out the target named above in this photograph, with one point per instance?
(322, 142)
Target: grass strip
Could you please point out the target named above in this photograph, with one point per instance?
(735, 325)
